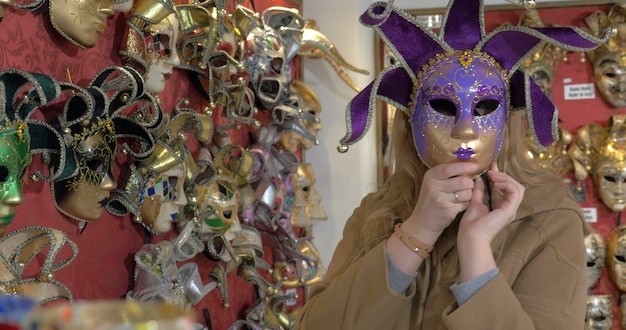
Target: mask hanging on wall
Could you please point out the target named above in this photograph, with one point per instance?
(596, 254)
(601, 153)
(616, 256)
(599, 315)
(609, 60)
(88, 128)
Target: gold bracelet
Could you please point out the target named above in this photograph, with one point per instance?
(412, 243)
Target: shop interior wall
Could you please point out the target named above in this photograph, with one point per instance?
(104, 265)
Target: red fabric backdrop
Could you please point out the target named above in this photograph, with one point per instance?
(104, 266)
(576, 113)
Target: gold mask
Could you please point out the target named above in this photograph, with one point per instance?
(542, 64)
(602, 153)
(615, 256)
(307, 178)
(81, 21)
(292, 140)
(609, 59)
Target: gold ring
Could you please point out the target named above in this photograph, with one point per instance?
(456, 197)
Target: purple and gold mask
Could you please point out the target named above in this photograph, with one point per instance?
(458, 83)
(461, 110)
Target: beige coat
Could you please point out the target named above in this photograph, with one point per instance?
(542, 282)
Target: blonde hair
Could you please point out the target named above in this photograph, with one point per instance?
(398, 196)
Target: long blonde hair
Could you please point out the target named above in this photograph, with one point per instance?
(398, 196)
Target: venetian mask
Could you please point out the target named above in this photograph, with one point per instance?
(610, 78)
(616, 256)
(299, 215)
(554, 157)
(610, 181)
(461, 111)
(163, 199)
(82, 21)
(219, 207)
(15, 157)
(161, 53)
(600, 151)
(303, 134)
(268, 67)
(306, 178)
(308, 266)
(156, 268)
(84, 196)
(599, 315)
(542, 64)
(609, 60)
(596, 253)
(149, 47)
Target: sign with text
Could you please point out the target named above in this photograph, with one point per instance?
(579, 91)
(591, 214)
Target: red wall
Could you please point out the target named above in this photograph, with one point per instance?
(104, 266)
(576, 113)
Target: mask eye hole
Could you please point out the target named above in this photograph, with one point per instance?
(610, 178)
(621, 259)
(486, 107)
(4, 173)
(96, 165)
(444, 107)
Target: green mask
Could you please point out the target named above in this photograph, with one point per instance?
(15, 157)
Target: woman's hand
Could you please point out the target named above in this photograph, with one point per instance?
(479, 224)
(437, 206)
(445, 192)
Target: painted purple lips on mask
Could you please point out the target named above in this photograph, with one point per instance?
(464, 154)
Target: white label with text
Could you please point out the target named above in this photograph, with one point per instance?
(591, 214)
(579, 91)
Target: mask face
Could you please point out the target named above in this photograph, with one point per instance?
(311, 269)
(610, 180)
(306, 181)
(15, 158)
(163, 198)
(610, 78)
(220, 202)
(299, 216)
(269, 67)
(599, 315)
(81, 21)
(616, 256)
(596, 253)
(292, 140)
(161, 54)
(460, 112)
(85, 194)
(543, 79)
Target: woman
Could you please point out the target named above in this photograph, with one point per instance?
(466, 233)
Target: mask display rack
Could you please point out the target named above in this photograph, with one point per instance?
(109, 247)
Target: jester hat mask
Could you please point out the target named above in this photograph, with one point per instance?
(457, 86)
